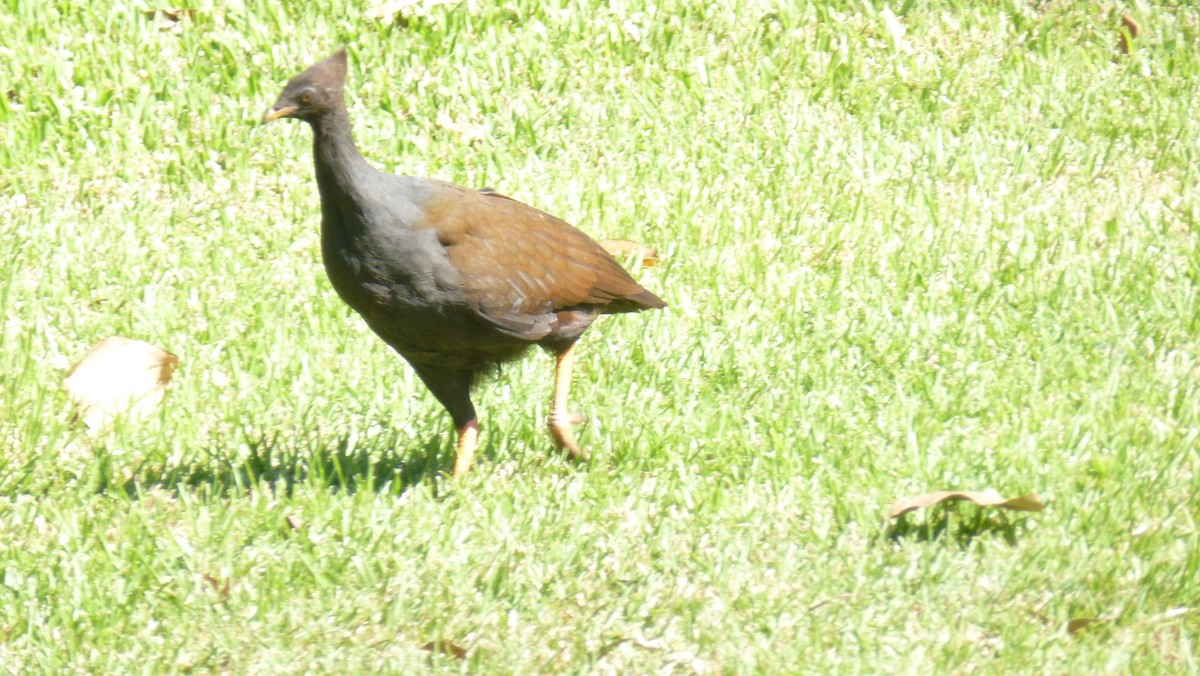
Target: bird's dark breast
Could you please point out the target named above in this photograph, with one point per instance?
(411, 298)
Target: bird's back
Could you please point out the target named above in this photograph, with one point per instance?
(520, 264)
(451, 274)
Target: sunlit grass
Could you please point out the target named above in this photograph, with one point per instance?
(945, 247)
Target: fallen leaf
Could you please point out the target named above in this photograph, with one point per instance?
(623, 248)
(1171, 614)
(988, 498)
(222, 589)
(639, 639)
(389, 9)
(824, 602)
(169, 19)
(1078, 624)
(988, 643)
(469, 131)
(1128, 32)
(119, 375)
(172, 14)
(446, 648)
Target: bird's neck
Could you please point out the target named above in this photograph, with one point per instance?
(337, 159)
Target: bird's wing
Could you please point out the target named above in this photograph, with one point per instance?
(519, 264)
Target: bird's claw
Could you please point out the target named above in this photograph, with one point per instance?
(560, 431)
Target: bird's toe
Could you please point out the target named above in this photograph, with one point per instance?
(560, 431)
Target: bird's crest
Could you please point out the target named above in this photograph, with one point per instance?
(328, 74)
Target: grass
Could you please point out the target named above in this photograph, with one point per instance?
(932, 246)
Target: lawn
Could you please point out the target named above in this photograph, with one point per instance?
(906, 248)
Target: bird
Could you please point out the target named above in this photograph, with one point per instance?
(456, 280)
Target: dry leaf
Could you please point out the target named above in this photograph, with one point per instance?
(389, 9)
(824, 602)
(169, 19)
(221, 589)
(623, 249)
(1171, 614)
(1078, 624)
(294, 522)
(169, 14)
(446, 648)
(119, 375)
(470, 132)
(988, 498)
(1129, 31)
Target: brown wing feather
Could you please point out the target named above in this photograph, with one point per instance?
(517, 260)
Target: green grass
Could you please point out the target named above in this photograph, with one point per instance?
(954, 256)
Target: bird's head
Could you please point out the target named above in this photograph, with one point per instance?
(312, 93)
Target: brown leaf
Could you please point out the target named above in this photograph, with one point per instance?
(119, 375)
(1128, 32)
(988, 498)
(390, 8)
(294, 522)
(623, 249)
(1078, 624)
(446, 648)
(168, 19)
(172, 14)
(469, 131)
(222, 589)
(824, 602)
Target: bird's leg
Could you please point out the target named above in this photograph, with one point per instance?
(452, 387)
(560, 418)
(468, 437)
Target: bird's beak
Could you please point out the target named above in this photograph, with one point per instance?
(276, 113)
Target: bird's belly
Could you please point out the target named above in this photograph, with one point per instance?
(442, 336)
(422, 325)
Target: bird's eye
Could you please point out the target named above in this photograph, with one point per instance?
(305, 98)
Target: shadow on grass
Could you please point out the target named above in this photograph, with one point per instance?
(949, 521)
(279, 464)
